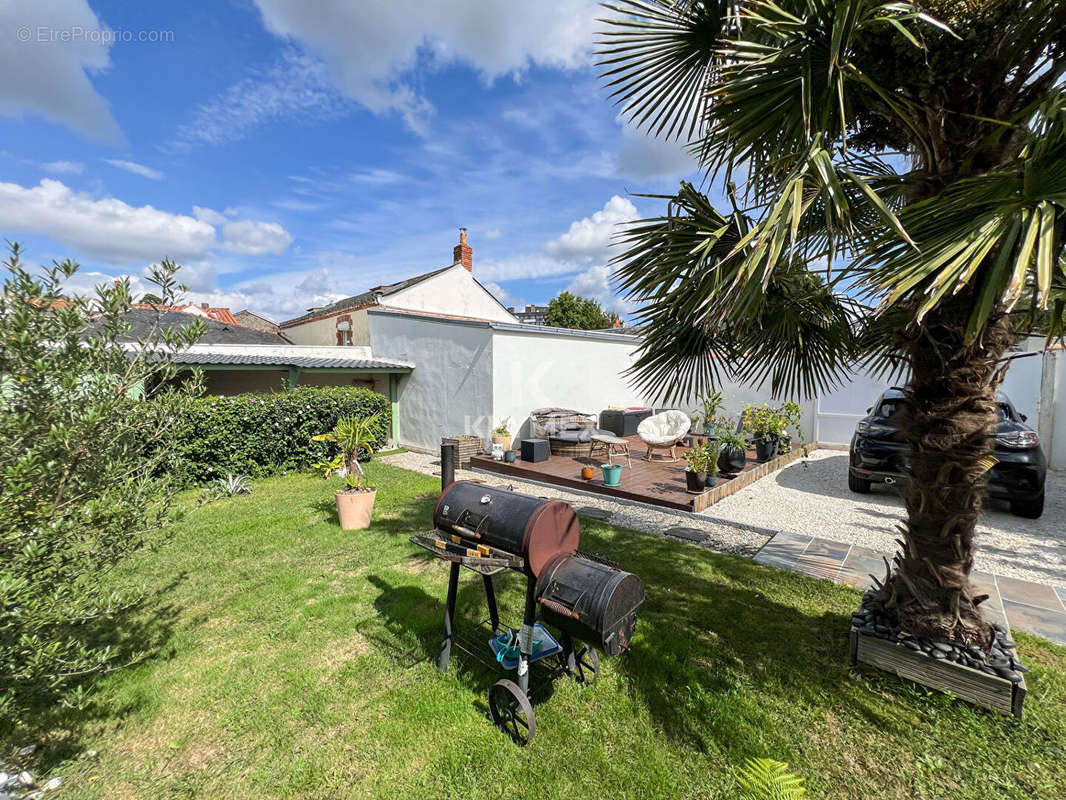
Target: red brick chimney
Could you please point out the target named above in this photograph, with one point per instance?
(463, 253)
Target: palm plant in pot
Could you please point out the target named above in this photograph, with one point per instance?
(913, 151)
(712, 463)
(709, 407)
(354, 436)
(732, 452)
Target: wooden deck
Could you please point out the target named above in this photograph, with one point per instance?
(655, 482)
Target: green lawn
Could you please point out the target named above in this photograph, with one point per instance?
(297, 661)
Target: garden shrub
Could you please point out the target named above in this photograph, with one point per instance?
(79, 491)
(266, 434)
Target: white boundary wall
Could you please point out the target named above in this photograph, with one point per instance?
(470, 374)
(532, 369)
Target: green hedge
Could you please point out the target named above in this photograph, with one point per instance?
(264, 434)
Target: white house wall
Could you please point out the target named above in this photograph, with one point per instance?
(453, 292)
(450, 389)
(533, 370)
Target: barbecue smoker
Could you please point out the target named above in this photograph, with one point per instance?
(591, 604)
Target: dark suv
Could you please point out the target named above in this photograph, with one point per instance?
(879, 454)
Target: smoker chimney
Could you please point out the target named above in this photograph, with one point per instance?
(463, 253)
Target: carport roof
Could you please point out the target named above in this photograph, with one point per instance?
(300, 356)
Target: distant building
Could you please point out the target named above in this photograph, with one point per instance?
(530, 315)
(250, 319)
(236, 359)
(451, 291)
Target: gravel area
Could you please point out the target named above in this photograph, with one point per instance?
(814, 499)
(693, 528)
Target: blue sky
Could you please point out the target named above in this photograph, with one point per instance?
(289, 153)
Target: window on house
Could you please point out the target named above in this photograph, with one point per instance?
(344, 333)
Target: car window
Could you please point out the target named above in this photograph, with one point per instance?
(889, 408)
(1003, 412)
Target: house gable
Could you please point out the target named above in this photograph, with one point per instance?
(453, 292)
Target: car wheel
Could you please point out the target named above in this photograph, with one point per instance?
(856, 484)
(1031, 509)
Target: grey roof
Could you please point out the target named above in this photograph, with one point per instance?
(290, 359)
(366, 298)
(142, 320)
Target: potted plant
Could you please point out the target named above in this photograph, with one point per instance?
(791, 414)
(698, 459)
(501, 434)
(354, 436)
(709, 408)
(732, 452)
(612, 474)
(765, 426)
(712, 464)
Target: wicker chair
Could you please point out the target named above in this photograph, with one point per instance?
(664, 431)
(569, 433)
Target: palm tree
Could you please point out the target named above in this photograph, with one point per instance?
(892, 184)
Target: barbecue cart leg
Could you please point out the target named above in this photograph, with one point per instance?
(525, 638)
(449, 618)
(490, 596)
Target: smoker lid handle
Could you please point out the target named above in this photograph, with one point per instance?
(558, 608)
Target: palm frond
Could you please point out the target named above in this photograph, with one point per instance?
(705, 320)
(1000, 232)
(766, 779)
(658, 57)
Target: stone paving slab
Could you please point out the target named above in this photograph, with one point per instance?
(1026, 605)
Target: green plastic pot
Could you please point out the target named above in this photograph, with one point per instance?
(612, 474)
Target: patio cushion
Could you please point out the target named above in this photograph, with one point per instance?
(666, 427)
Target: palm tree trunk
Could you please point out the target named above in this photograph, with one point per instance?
(949, 429)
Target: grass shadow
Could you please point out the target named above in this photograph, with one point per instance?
(140, 636)
(706, 638)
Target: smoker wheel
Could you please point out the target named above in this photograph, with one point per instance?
(511, 712)
(585, 667)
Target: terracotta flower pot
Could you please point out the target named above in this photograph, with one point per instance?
(588, 473)
(354, 509)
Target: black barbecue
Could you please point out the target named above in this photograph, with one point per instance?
(583, 598)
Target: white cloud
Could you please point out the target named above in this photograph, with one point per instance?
(49, 77)
(377, 176)
(527, 265)
(371, 48)
(208, 215)
(135, 168)
(254, 238)
(64, 167)
(497, 291)
(106, 229)
(595, 282)
(296, 88)
(589, 239)
(492, 234)
(116, 233)
(643, 156)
